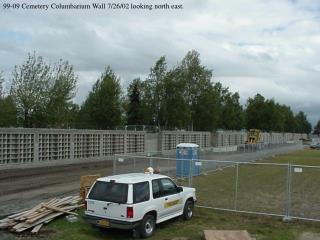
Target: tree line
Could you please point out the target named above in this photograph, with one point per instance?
(181, 97)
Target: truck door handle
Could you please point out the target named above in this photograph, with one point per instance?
(105, 208)
(166, 199)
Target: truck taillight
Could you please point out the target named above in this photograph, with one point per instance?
(129, 212)
(85, 204)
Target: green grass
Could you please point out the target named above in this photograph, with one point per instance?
(261, 188)
(268, 228)
(302, 157)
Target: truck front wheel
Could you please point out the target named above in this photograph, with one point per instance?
(188, 210)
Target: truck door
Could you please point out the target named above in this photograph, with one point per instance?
(169, 200)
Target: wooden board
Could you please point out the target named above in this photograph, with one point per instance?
(36, 228)
(42, 213)
(226, 235)
(60, 210)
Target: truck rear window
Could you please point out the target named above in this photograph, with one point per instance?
(109, 192)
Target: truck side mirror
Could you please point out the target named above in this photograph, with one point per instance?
(179, 189)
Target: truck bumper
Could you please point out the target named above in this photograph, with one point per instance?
(96, 221)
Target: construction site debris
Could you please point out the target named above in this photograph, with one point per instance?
(41, 214)
(71, 218)
(226, 235)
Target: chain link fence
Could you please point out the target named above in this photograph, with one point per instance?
(304, 192)
(284, 190)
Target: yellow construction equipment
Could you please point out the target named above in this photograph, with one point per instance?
(254, 136)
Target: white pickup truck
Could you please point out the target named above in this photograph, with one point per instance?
(137, 201)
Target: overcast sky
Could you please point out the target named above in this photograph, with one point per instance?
(253, 46)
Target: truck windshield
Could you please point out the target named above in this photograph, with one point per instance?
(109, 192)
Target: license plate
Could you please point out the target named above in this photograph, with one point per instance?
(103, 223)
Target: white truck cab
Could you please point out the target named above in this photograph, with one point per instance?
(137, 201)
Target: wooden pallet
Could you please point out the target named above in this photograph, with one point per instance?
(226, 235)
(88, 180)
(86, 183)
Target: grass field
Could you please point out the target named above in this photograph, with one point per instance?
(303, 157)
(261, 188)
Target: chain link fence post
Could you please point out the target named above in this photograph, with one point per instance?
(114, 164)
(236, 187)
(150, 160)
(190, 172)
(182, 162)
(287, 216)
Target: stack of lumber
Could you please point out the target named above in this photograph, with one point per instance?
(43, 213)
(86, 183)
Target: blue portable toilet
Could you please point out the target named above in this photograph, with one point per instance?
(185, 153)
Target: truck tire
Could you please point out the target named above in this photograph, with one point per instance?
(147, 226)
(188, 210)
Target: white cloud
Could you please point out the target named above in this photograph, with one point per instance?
(253, 46)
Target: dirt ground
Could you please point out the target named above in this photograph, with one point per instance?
(24, 188)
